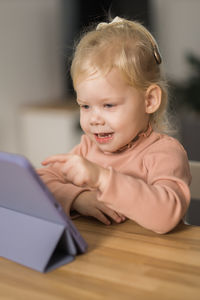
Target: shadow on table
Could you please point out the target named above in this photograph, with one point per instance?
(94, 232)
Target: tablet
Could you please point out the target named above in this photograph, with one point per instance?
(34, 230)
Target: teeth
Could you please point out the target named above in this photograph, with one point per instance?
(104, 135)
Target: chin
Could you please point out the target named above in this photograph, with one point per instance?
(106, 148)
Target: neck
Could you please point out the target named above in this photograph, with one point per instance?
(144, 133)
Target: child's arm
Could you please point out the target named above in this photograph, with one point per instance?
(65, 193)
(159, 203)
(87, 205)
(76, 198)
(79, 171)
(73, 197)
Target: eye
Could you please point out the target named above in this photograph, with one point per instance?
(108, 105)
(85, 106)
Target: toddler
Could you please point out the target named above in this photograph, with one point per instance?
(125, 166)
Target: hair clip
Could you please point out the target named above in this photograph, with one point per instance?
(157, 55)
(104, 24)
(101, 25)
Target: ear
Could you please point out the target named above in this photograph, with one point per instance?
(153, 98)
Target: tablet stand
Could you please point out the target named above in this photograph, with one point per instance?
(36, 243)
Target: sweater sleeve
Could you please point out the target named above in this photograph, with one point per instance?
(63, 192)
(160, 201)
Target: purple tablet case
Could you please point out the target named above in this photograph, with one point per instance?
(34, 230)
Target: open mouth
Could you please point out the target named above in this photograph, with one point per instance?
(104, 137)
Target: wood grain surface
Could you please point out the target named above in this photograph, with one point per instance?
(123, 261)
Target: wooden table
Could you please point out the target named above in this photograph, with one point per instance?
(124, 261)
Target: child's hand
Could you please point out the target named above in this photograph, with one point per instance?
(80, 171)
(87, 205)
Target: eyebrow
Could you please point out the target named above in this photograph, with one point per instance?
(79, 100)
(102, 100)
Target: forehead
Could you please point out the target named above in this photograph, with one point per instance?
(110, 83)
(112, 86)
(113, 78)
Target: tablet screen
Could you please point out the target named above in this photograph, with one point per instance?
(22, 189)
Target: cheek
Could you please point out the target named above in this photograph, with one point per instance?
(114, 119)
(124, 121)
(83, 120)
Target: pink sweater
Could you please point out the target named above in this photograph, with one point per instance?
(148, 183)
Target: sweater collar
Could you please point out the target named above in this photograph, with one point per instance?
(143, 134)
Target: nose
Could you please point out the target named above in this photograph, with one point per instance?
(96, 117)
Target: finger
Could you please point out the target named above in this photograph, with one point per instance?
(111, 213)
(39, 171)
(55, 158)
(101, 217)
(121, 216)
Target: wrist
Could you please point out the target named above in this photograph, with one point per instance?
(103, 179)
(79, 196)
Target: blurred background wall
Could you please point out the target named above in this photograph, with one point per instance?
(176, 24)
(36, 42)
(30, 60)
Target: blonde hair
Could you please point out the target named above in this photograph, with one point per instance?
(129, 47)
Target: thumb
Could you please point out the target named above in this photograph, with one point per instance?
(55, 158)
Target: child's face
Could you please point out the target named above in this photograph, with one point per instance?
(112, 113)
